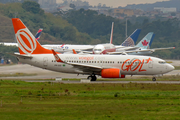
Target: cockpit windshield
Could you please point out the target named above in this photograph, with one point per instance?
(162, 62)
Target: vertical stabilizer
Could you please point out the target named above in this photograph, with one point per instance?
(145, 42)
(38, 34)
(111, 37)
(151, 41)
(131, 40)
(27, 43)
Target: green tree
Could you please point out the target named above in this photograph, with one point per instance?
(69, 34)
(32, 6)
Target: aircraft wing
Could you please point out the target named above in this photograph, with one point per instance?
(20, 56)
(88, 49)
(163, 48)
(87, 52)
(85, 67)
(79, 66)
(126, 48)
(150, 50)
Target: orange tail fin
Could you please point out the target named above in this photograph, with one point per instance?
(27, 43)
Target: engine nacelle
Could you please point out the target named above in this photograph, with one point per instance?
(111, 73)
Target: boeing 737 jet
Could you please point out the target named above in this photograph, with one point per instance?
(107, 66)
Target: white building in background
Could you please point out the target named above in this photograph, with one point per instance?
(166, 10)
(46, 2)
(48, 5)
(76, 2)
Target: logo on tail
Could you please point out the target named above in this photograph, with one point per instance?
(25, 42)
(145, 43)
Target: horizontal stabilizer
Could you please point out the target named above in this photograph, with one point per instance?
(21, 56)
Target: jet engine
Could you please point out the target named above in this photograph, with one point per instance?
(111, 73)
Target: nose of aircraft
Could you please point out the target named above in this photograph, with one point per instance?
(170, 68)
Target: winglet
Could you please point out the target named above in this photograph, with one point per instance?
(56, 56)
(74, 52)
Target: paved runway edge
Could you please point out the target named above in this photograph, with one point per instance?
(109, 82)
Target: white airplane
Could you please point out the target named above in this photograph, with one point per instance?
(127, 47)
(97, 49)
(107, 66)
(142, 48)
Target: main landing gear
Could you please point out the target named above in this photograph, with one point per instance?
(154, 79)
(92, 77)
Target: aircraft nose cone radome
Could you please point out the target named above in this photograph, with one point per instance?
(170, 67)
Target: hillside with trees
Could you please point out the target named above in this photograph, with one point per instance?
(56, 29)
(88, 27)
(167, 33)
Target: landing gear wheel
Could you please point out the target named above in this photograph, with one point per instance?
(153, 79)
(92, 78)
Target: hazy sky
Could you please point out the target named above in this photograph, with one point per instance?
(117, 3)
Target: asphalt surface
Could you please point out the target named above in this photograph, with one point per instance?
(41, 73)
(109, 82)
(46, 74)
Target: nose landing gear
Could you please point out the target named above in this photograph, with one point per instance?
(92, 77)
(154, 79)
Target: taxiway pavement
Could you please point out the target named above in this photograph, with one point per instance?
(46, 74)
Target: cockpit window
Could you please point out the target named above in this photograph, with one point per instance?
(162, 62)
(97, 49)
